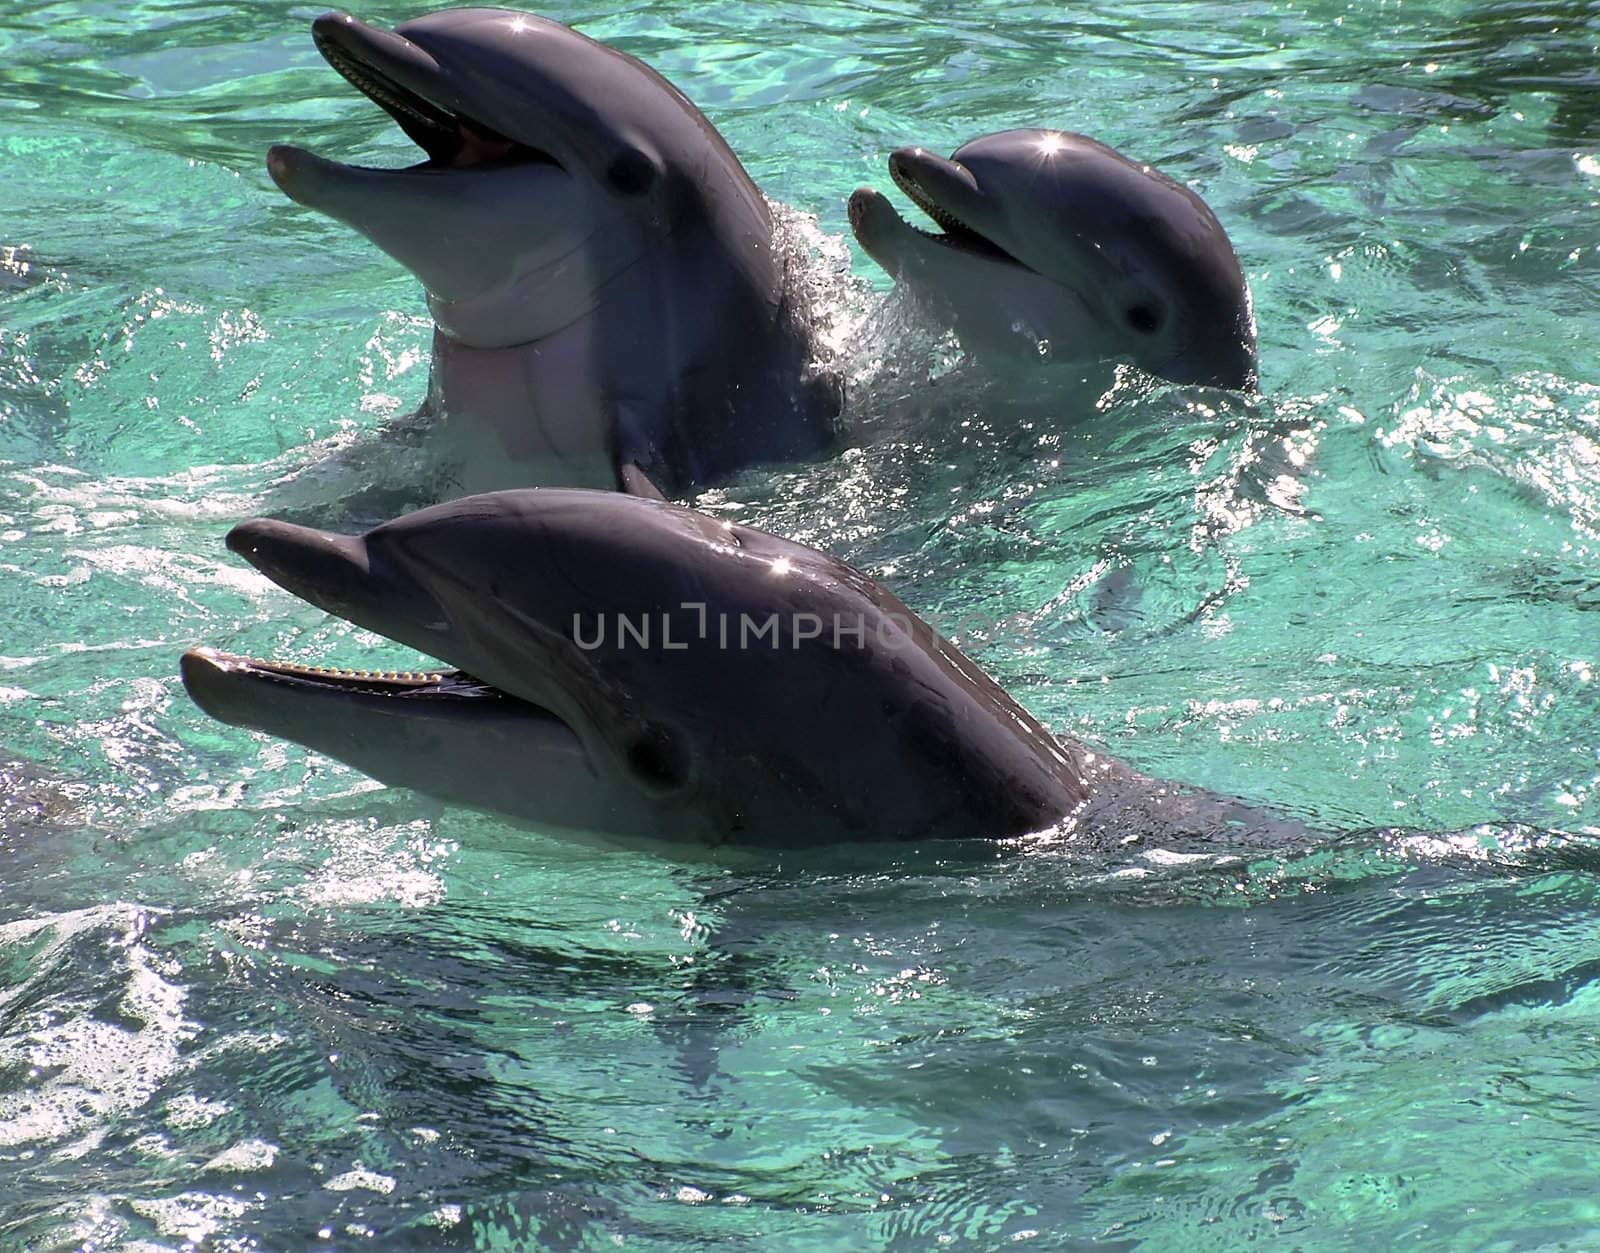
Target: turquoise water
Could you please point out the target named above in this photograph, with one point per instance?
(248, 999)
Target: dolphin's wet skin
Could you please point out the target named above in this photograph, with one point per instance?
(675, 741)
(611, 307)
(623, 178)
(1053, 244)
(578, 704)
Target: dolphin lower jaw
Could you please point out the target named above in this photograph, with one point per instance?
(410, 684)
(230, 686)
(425, 605)
(993, 303)
(451, 736)
(271, 695)
(493, 278)
(441, 734)
(888, 238)
(242, 690)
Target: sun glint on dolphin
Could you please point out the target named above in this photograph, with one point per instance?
(1053, 242)
(643, 671)
(611, 306)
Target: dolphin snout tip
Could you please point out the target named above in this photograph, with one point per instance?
(219, 684)
(331, 20)
(298, 173)
(198, 661)
(280, 161)
(331, 571)
(201, 670)
(859, 205)
(277, 548)
(901, 159)
(247, 538)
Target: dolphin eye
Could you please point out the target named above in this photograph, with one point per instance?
(632, 173)
(1146, 319)
(658, 760)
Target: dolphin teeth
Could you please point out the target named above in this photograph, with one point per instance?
(378, 89)
(913, 190)
(954, 232)
(417, 678)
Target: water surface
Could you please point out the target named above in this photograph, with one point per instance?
(250, 999)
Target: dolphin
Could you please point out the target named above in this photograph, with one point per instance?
(611, 308)
(1053, 244)
(634, 669)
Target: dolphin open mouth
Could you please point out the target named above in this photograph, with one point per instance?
(410, 86)
(546, 736)
(913, 172)
(340, 575)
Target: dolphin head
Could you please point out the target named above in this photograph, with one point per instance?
(636, 668)
(552, 164)
(1051, 238)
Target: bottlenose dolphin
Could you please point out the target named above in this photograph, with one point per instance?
(611, 308)
(644, 671)
(1054, 244)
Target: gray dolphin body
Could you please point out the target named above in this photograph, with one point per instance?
(643, 671)
(1055, 244)
(609, 304)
